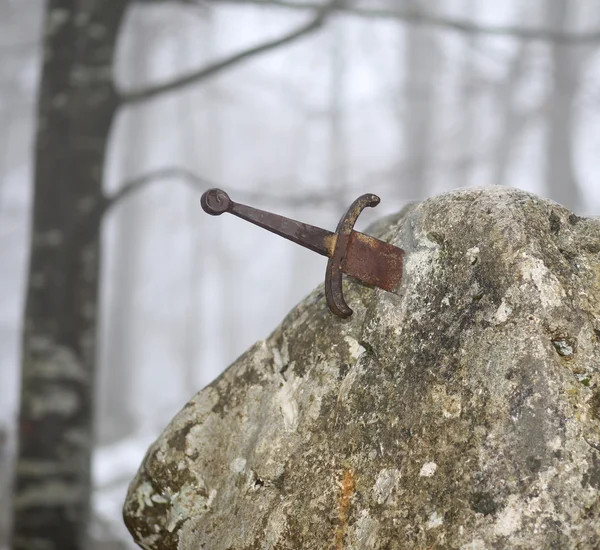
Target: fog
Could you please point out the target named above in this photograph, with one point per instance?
(470, 93)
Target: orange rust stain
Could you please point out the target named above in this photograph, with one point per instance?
(346, 494)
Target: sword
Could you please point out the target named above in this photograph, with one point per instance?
(370, 260)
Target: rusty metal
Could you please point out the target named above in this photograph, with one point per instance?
(371, 261)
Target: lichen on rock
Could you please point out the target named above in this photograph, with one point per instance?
(461, 411)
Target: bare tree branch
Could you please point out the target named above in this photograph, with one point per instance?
(322, 12)
(134, 186)
(201, 184)
(431, 20)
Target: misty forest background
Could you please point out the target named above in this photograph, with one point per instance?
(402, 99)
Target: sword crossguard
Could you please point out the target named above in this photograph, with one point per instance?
(370, 260)
(333, 276)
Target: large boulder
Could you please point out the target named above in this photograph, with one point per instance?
(462, 411)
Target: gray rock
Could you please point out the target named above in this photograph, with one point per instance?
(462, 411)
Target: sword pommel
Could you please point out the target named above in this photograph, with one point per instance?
(215, 202)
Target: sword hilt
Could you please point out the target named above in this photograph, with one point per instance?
(365, 258)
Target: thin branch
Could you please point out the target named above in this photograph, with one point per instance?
(437, 21)
(134, 186)
(201, 184)
(322, 12)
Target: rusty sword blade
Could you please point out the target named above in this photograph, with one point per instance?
(370, 260)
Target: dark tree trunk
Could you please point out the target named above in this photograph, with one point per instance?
(77, 103)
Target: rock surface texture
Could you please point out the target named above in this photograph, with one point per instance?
(462, 411)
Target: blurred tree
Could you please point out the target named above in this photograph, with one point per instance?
(567, 61)
(192, 148)
(78, 101)
(115, 414)
(467, 147)
(338, 162)
(422, 58)
(512, 118)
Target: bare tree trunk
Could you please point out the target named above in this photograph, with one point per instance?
(77, 103)
(223, 261)
(421, 61)
(116, 417)
(467, 145)
(195, 158)
(561, 179)
(337, 149)
(511, 119)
